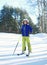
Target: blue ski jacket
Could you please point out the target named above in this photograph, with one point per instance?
(26, 29)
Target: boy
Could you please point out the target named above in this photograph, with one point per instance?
(26, 29)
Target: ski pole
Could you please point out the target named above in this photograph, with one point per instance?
(16, 46)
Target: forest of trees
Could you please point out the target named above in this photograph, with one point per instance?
(11, 20)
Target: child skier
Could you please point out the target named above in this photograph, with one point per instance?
(25, 30)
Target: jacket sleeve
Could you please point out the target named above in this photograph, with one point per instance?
(30, 29)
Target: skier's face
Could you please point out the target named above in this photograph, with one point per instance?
(25, 22)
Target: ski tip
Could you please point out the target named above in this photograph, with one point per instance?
(18, 54)
(27, 55)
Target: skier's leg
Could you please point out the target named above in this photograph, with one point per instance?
(29, 46)
(23, 44)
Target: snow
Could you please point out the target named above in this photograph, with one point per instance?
(8, 42)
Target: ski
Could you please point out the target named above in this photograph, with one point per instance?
(27, 55)
(20, 54)
(23, 54)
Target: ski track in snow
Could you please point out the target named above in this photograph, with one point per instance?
(8, 42)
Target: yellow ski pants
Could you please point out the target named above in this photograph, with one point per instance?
(25, 40)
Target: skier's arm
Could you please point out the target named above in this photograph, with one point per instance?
(30, 29)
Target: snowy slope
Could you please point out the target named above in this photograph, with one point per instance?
(8, 42)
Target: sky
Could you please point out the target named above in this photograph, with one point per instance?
(29, 5)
